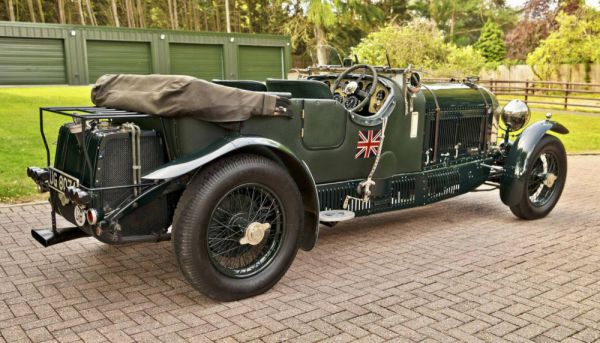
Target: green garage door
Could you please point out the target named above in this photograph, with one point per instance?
(110, 57)
(31, 61)
(259, 63)
(200, 60)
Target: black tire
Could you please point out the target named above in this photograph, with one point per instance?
(208, 250)
(537, 199)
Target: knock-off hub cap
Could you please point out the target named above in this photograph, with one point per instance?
(550, 179)
(254, 233)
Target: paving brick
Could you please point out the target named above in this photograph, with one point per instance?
(460, 270)
(588, 335)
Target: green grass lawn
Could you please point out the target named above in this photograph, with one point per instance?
(584, 135)
(20, 141)
(21, 144)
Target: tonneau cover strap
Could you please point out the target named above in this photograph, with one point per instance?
(438, 114)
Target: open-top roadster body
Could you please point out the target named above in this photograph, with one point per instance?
(242, 195)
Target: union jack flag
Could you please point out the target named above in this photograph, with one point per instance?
(368, 144)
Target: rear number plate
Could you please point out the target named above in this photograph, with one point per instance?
(59, 181)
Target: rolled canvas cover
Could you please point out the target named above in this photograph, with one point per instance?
(180, 96)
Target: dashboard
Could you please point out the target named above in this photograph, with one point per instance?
(375, 102)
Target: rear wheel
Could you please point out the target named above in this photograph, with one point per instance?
(236, 227)
(544, 181)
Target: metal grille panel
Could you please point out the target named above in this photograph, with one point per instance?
(403, 191)
(443, 184)
(464, 126)
(116, 168)
(332, 196)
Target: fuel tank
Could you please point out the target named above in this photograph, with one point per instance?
(109, 169)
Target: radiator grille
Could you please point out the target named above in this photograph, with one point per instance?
(463, 126)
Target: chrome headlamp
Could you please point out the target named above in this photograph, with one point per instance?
(515, 115)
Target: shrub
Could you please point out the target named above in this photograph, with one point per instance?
(576, 41)
(421, 44)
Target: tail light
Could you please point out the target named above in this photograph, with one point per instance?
(92, 216)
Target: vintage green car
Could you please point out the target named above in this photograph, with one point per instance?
(239, 189)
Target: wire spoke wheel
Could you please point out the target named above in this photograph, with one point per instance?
(541, 183)
(235, 215)
(237, 226)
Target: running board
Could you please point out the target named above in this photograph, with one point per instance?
(47, 237)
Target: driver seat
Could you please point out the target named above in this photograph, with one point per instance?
(304, 89)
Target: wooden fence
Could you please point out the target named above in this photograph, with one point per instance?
(546, 94)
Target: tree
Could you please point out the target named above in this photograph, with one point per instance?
(80, 12)
(90, 12)
(141, 14)
(461, 21)
(575, 41)
(115, 13)
(320, 15)
(41, 11)
(31, 10)
(11, 10)
(340, 24)
(354, 20)
(538, 20)
(491, 43)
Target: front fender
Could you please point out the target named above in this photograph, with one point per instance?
(519, 157)
(264, 146)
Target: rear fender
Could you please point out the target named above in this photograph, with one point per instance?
(262, 146)
(519, 157)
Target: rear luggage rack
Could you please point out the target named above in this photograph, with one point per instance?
(93, 112)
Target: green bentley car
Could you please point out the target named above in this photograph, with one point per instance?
(241, 174)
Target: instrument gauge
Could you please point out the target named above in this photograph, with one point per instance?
(351, 102)
(338, 97)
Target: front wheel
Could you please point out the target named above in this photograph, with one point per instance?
(544, 180)
(236, 227)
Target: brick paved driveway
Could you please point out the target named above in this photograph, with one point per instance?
(464, 269)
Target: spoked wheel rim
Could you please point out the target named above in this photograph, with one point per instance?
(543, 178)
(246, 230)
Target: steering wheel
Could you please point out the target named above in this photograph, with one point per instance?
(352, 87)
